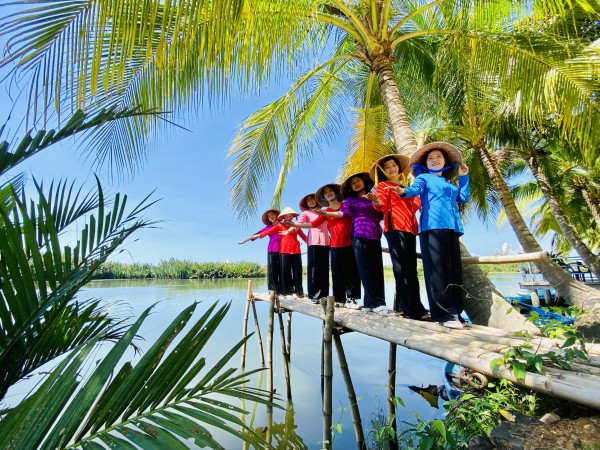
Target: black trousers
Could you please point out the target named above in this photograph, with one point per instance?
(291, 274)
(370, 267)
(440, 250)
(403, 252)
(317, 270)
(274, 271)
(344, 274)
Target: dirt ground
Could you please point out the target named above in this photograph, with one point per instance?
(582, 433)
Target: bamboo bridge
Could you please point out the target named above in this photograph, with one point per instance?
(473, 347)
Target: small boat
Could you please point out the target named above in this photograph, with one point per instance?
(457, 379)
(524, 295)
(543, 315)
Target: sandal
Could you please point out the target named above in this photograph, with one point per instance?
(424, 318)
(351, 304)
(383, 311)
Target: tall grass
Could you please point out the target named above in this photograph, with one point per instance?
(181, 269)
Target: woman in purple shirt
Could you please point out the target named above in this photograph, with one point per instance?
(269, 218)
(366, 237)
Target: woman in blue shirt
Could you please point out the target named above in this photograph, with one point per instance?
(435, 165)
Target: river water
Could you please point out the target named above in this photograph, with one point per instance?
(367, 357)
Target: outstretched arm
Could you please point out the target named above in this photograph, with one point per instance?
(251, 238)
(297, 225)
(334, 214)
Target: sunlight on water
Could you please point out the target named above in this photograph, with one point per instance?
(367, 357)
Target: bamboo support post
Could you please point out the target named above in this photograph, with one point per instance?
(258, 334)
(269, 434)
(356, 420)
(327, 372)
(289, 336)
(270, 345)
(286, 360)
(391, 405)
(245, 326)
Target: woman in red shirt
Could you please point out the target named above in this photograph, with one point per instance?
(401, 229)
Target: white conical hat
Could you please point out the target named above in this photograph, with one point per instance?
(287, 210)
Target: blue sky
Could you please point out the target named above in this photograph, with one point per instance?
(188, 171)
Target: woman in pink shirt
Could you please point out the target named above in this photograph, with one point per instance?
(317, 254)
(344, 271)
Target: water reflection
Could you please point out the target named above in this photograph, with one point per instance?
(299, 425)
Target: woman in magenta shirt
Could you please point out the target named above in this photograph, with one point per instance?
(269, 218)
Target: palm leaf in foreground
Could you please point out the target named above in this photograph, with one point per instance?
(159, 402)
(38, 318)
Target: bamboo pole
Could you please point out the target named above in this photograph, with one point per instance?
(504, 259)
(258, 334)
(356, 420)
(270, 346)
(245, 326)
(286, 361)
(269, 436)
(327, 373)
(499, 259)
(391, 405)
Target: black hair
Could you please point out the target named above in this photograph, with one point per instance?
(381, 175)
(347, 189)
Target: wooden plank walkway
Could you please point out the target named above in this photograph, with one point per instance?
(474, 347)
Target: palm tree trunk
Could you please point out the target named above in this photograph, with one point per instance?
(483, 303)
(589, 259)
(590, 199)
(404, 138)
(573, 291)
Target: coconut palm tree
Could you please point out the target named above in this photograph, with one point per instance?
(304, 109)
(536, 155)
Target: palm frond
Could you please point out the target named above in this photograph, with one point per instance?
(42, 275)
(369, 141)
(79, 122)
(303, 112)
(156, 55)
(139, 405)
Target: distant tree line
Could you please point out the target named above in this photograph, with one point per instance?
(186, 269)
(181, 269)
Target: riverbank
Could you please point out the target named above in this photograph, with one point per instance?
(181, 269)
